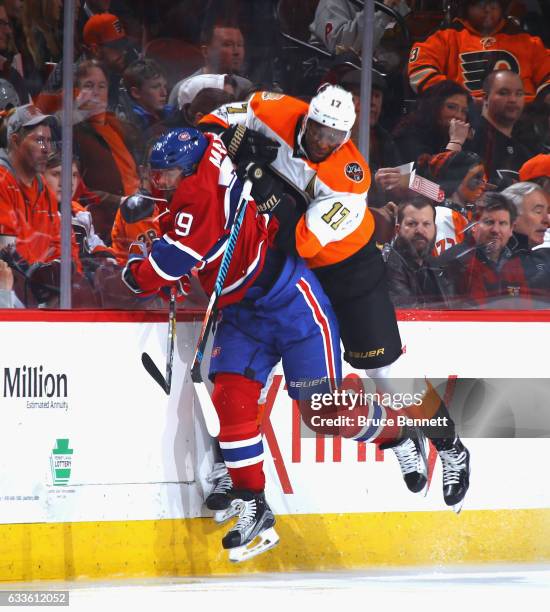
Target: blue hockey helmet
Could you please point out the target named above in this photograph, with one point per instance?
(181, 148)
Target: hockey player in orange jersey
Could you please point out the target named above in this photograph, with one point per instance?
(478, 42)
(311, 156)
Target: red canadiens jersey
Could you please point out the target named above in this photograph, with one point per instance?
(197, 228)
(459, 53)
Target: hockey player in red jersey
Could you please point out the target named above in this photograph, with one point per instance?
(272, 308)
(312, 157)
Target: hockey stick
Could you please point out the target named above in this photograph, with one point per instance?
(209, 412)
(165, 381)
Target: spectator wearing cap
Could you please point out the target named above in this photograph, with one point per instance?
(414, 280)
(107, 148)
(223, 49)
(440, 123)
(476, 43)
(494, 141)
(487, 270)
(90, 8)
(461, 175)
(29, 215)
(104, 40)
(189, 88)
(537, 170)
(202, 104)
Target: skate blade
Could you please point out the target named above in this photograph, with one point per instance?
(424, 450)
(268, 539)
(222, 516)
(458, 507)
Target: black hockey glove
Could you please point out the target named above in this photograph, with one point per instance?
(136, 207)
(245, 146)
(266, 190)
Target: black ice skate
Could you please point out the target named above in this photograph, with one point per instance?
(412, 454)
(253, 533)
(220, 500)
(455, 460)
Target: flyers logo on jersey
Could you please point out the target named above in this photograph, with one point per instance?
(476, 65)
(269, 95)
(354, 172)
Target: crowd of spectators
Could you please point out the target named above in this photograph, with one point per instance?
(466, 106)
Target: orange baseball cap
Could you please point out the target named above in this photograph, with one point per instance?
(535, 167)
(105, 29)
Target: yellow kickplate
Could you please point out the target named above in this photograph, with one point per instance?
(192, 547)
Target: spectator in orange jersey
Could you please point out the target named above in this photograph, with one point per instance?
(487, 269)
(125, 232)
(29, 216)
(461, 175)
(475, 44)
(104, 145)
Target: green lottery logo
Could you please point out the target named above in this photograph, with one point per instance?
(61, 462)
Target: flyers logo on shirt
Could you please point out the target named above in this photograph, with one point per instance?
(269, 95)
(478, 64)
(354, 172)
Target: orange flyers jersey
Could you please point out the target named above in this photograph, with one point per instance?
(31, 214)
(459, 53)
(450, 226)
(123, 234)
(337, 222)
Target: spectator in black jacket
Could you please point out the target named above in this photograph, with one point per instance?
(441, 122)
(414, 280)
(494, 142)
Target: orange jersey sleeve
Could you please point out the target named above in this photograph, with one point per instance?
(123, 234)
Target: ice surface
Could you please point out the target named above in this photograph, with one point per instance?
(496, 588)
